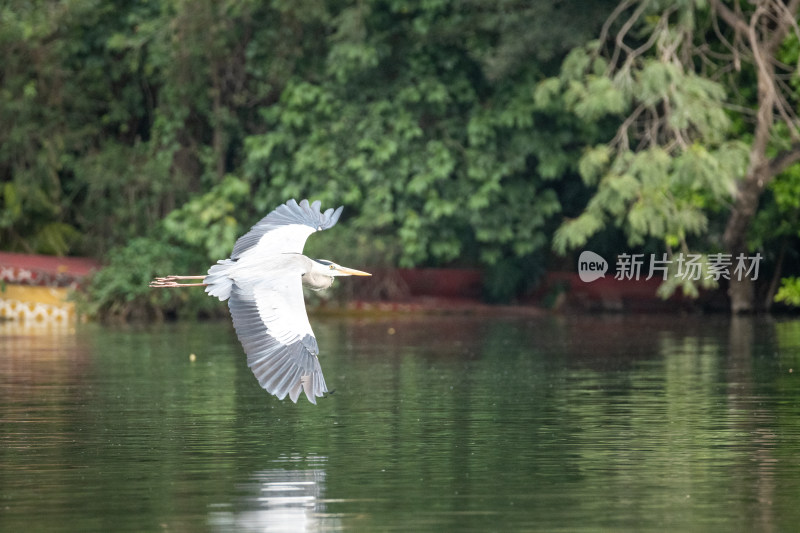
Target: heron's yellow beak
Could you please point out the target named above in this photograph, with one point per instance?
(344, 271)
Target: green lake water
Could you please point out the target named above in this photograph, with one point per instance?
(436, 423)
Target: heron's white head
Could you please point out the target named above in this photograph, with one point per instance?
(329, 268)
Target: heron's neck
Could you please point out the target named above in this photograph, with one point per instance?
(317, 282)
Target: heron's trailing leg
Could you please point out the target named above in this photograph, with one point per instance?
(173, 281)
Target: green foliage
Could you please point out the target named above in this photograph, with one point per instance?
(789, 291)
(777, 220)
(673, 165)
(208, 222)
(120, 290)
(689, 287)
(130, 204)
(113, 115)
(776, 231)
(653, 194)
(62, 94)
(424, 119)
(26, 224)
(437, 159)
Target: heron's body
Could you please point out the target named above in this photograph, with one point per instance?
(262, 282)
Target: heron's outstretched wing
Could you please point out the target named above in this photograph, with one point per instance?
(271, 323)
(286, 229)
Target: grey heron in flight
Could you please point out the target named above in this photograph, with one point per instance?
(263, 282)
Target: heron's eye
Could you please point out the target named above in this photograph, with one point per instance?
(332, 267)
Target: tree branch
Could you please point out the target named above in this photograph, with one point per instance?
(785, 20)
(731, 18)
(611, 18)
(784, 159)
(620, 38)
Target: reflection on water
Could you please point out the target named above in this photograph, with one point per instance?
(437, 423)
(280, 500)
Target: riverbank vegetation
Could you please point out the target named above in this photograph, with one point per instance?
(506, 135)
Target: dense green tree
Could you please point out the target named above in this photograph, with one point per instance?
(184, 122)
(116, 113)
(424, 119)
(706, 122)
(76, 110)
(776, 230)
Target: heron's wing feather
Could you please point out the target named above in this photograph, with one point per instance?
(286, 229)
(271, 323)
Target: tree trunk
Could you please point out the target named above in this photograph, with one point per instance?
(741, 291)
(764, 30)
(742, 295)
(776, 276)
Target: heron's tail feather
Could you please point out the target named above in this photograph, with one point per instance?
(218, 281)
